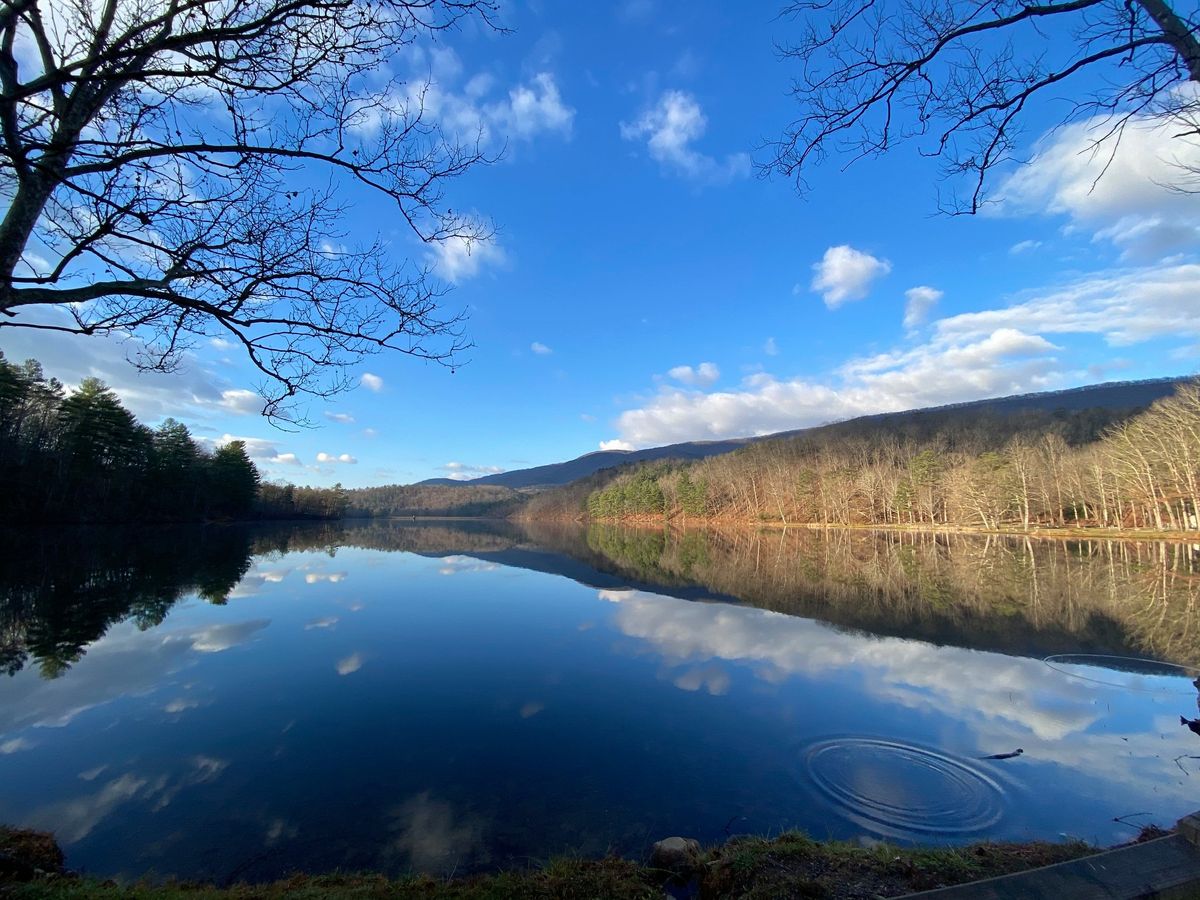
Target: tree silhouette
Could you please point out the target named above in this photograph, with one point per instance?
(960, 76)
(171, 168)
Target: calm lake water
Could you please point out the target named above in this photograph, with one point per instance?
(230, 703)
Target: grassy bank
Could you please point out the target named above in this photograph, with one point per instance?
(791, 865)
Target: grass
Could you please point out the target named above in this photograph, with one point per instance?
(790, 865)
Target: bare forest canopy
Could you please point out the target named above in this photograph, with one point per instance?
(1069, 468)
(61, 592)
(81, 456)
(424, 499)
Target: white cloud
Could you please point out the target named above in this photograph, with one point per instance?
(1119, 192)
(539, 348)
(16, 745)
(372, 382)
(617, 445)
(1024, 247)
(241, 402)
(846, 274)
(329, 577)
(918, 303)
(219, 638)
(969, 356)
(350, 664)
(1005, 362)
(669, 127)
(1125, 306)
(473, 108)
(704, 375)
(463, 472)
(458, 259)
(534, 108)
(344, 458)
(770, 347)
(261, 450)
(340, 418)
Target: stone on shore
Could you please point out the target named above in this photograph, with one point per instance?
(676, 854)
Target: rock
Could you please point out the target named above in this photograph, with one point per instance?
(676, 854)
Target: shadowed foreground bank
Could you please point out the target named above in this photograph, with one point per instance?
(791, 865)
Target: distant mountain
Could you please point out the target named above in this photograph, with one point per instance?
(1113, 396)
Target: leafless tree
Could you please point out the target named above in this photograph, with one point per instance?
(177, 169)
(960, 77)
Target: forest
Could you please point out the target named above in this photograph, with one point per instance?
(489, 500)
(1078, 469)
(81, 456)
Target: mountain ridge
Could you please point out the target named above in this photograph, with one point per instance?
(1109, 395)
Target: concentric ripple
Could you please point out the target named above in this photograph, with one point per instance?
(902, 790)
(1144, 676)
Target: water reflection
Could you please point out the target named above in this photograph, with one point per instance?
(233, 703)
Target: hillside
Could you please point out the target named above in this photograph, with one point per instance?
(1118, 397)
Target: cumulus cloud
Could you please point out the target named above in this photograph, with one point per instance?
(918, 303)
(372, 382)
(344, 458)
(539, 348)
(464, 472)
(350, 664)
(670, 127)
(969, 356)
(617, 444)
(471, 108)
(703, 375)
(1004, 362)
(846, 274)
(458, 258)
(241, 402)
(340, 418)
(1124, 306)
(1120, 192)
(261, 450)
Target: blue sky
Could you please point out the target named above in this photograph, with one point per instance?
(646, 286)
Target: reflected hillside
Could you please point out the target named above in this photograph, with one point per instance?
(1007, 594)
(60, 593)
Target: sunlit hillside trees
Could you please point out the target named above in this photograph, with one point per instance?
(1141, 472)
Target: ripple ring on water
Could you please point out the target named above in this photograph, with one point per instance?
(903, 790)
(1134, 665)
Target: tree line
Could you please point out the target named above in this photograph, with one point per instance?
(81, 456)
(1076, 469)
(475, 500)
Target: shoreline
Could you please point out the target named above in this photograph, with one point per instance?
(790, 864)
(1041, 533)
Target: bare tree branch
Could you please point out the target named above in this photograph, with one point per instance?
(959, 76)
(171, 168)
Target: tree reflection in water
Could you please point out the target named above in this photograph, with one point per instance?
(60, 592)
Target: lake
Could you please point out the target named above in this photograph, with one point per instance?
(236, 703)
